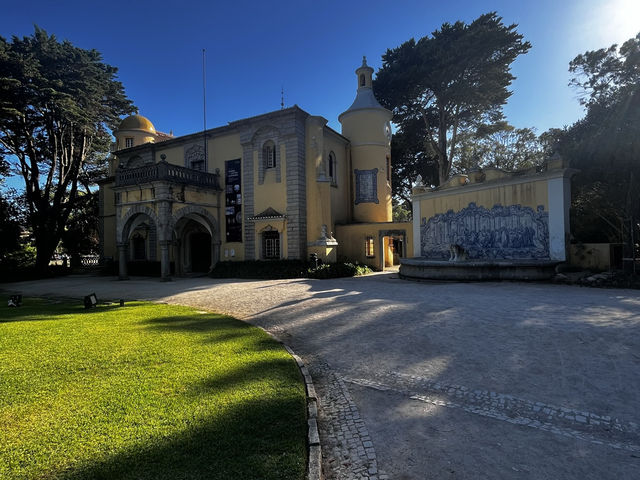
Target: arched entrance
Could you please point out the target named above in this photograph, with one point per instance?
(196, 241)
(199, 251)
(137, 237)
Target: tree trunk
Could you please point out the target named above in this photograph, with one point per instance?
(45, 246)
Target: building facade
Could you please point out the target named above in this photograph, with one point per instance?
(282, 185)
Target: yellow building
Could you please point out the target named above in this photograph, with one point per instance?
(282, 185)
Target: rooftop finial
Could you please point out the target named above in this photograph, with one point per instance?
(282, 98)
(364, 61)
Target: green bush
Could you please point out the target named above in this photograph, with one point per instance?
(337, 270)
(19, 266)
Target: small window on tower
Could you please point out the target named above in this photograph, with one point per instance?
(128, 142)
(368, 247)
(269, 154)
(362, 80)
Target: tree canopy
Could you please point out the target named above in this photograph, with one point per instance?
(57, 104)
(605, 144)
(454, 81)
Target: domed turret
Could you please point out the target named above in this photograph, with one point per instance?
(133, 131)
(137, 122)
(366, 124)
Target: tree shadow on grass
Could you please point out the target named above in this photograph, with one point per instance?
(259, 439)
(41, 309)
(219, 328)
(260, 435)
(277, 372)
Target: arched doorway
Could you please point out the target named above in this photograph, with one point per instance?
(196, 240)
(200, 251)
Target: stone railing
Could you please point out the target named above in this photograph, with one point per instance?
(163, 171)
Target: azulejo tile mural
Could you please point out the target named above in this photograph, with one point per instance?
(511, 232)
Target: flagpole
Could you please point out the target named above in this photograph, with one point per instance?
(204, 108)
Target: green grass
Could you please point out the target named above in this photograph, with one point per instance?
(145, 391)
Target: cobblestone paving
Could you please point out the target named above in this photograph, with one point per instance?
(581, 425)
(347, 450)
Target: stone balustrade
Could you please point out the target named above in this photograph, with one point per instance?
(163, 171)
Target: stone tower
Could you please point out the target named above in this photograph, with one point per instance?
(366, 124)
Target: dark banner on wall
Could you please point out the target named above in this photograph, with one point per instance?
(233, 200)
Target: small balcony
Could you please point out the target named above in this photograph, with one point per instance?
(165, 172)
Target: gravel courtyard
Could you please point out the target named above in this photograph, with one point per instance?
(442, 380)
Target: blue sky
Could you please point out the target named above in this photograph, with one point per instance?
(310, 49)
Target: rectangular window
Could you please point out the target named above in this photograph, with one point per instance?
(271, 245)
(271, 158)
(197, 165)
(368, 247)
(128, 142)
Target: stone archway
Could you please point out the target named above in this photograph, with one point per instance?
(142, 222)
(131, 219)
(196, 240)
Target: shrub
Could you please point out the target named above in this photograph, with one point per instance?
(337, 270)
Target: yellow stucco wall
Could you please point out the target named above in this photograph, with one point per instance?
(270, 193)
(139, 138)
(175, 155)
(528, 194)
(318, 191)
(221, 149)
(366, 127)
(367, 158)
(339, 191)
(351, 241)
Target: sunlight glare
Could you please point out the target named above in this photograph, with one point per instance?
(619, 20)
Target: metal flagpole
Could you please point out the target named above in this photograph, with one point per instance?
(204, 109)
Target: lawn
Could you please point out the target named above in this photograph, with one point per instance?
(145, 391)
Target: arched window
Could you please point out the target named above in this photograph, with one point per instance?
(269, 154)
(333, 168)
(362, 80)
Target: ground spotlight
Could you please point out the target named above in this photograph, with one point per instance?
(15, 300)
(90, 301)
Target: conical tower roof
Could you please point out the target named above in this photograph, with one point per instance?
(365, 99)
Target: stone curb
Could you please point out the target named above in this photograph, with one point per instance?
(314, 464)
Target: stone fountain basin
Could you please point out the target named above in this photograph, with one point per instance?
(477, 270)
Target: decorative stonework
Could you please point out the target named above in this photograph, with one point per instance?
(512, 232)
(123, 223)
(194, 157)
(201, 212)
(366, 186)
